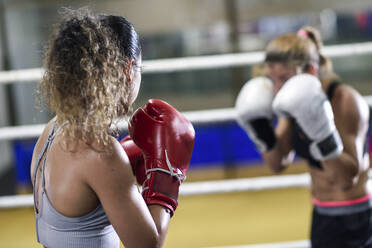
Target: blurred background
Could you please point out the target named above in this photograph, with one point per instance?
(172, 29)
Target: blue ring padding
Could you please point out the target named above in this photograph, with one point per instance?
(223, 144)
(215, 145)
(22, 150)
(219, 144)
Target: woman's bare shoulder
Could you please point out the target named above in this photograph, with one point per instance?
(350, 108)
(110, 164)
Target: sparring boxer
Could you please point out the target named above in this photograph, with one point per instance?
(85, 192)
(322, 121)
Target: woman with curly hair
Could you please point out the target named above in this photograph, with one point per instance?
(85, 193)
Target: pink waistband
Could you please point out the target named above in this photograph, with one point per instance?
(342, 203)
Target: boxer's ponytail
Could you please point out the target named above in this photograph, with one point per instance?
(325, 64)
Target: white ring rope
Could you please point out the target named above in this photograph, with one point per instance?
(207, 187)
(245, 184)
(201, 188)
(196, 117)
(197, 62)
(199, 117)
(19, 76)
(21, 132)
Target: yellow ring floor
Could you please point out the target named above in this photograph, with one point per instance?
(204, 221)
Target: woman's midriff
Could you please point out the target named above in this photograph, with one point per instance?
(325, 189)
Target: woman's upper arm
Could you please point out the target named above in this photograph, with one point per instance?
(351, 119)
(112, 180)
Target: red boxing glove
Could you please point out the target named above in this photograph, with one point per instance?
(166, 139)
(135, 158)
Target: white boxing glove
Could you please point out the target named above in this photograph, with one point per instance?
(254, 112)
(303, 99)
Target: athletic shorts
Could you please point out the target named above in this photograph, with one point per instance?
(344, 224)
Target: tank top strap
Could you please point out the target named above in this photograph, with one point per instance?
(43, 150)
(52, 134)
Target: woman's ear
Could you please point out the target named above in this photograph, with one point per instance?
(128, 70)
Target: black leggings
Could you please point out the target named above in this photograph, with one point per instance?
(342, 231)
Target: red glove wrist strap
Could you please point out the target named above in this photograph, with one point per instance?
(162, 189)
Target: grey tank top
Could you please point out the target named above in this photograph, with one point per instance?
(55, 230)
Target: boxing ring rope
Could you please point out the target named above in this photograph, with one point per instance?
(200, 188)
(197, 62)
(203, 188)
(199, 117)
(196, 117)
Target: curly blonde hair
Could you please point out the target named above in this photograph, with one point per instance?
(84, 82)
